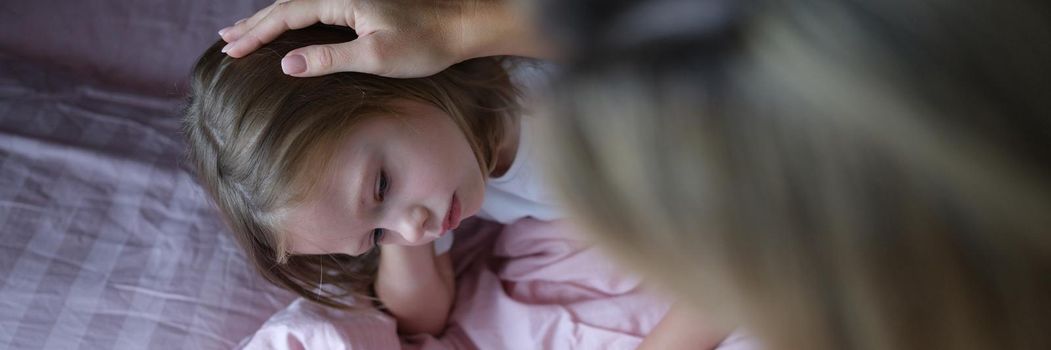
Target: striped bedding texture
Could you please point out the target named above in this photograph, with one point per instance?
(106, 240)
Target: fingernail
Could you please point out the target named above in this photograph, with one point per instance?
(223, 31)
(227, 47)
(240, 21)
(294, 64)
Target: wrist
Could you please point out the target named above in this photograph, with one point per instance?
(499, 28)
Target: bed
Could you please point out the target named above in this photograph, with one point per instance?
(107, 242)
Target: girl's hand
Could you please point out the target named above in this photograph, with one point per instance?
(396, 38)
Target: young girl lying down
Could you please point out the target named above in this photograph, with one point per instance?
(349, 184)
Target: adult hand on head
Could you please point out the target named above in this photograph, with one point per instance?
(396, 38)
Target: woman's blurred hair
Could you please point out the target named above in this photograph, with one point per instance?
(831, 174)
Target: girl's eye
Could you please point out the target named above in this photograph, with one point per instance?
(377, 235)
(382, 186)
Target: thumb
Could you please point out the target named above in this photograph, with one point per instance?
(358, 55)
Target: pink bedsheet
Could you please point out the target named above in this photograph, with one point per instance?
(530, 285)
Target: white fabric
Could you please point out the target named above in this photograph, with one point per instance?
(521, 192)
(443, 243)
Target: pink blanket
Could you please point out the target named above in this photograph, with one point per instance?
(529, 285)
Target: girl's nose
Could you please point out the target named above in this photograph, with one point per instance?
(410, 224)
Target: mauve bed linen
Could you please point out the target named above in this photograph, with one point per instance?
(106, 241)
(528, 285)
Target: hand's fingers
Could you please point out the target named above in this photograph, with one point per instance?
(285, 16)
(232, 33)
(361, 55)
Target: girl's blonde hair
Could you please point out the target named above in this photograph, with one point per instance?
(260, 140)
(831, 174)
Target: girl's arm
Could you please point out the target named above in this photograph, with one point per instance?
(416, 286)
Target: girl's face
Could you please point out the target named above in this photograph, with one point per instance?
(404, 179)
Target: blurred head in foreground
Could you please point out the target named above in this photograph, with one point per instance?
(831, 174)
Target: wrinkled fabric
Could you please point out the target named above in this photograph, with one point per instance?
(106, 240)
(529, 285)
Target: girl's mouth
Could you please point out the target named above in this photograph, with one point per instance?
(452, 218)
